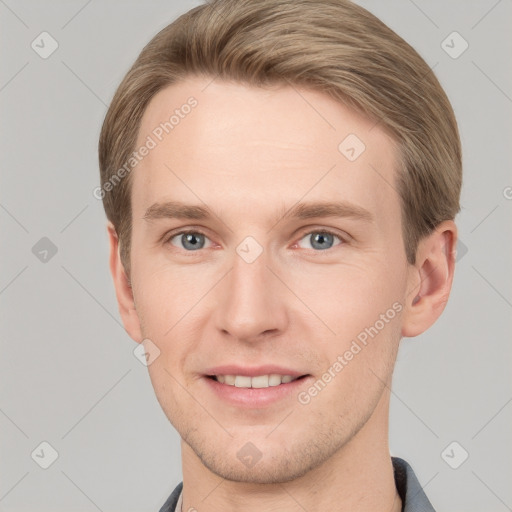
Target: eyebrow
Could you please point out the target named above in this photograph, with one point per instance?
(179, 210)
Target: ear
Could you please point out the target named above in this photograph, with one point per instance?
(123, 288)
(430, 279)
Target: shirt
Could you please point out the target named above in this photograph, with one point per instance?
(409, 489)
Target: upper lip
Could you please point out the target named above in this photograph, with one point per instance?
(253, 371)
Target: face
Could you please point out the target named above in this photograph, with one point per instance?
(265, 278)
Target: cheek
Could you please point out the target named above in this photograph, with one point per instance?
(362, 307)
(167, 390)
(174, 307)
(348, 296)
(165, 294)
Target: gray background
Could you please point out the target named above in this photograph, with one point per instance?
(68, 373)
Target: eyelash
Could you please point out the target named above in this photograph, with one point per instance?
(343, 240)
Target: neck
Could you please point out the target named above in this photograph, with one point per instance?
(357, 478)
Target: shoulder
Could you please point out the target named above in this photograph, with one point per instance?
(172, 500)
(412, 494)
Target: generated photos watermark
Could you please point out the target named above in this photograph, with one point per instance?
(357, 345)
(151, 142)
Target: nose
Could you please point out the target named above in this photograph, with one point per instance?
(251, 301)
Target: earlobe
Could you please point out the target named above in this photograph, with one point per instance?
(123, 289)
(430, 280)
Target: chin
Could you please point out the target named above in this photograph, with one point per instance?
(260, 460)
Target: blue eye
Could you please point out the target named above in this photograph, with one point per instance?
(320, 240)
(191, 240)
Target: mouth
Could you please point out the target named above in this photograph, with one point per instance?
(258, 381)
(257, 391)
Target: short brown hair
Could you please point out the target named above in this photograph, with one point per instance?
(332, 46)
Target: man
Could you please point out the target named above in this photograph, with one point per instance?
(281, 180)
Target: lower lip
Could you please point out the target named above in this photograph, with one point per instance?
(256, 397)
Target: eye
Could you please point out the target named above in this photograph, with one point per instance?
(192, 241)
(320, 239)
(189, 240)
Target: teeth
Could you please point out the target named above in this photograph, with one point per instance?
(242, 382)
(274, 380)
(260, 381)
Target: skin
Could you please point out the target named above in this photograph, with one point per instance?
(250, 154)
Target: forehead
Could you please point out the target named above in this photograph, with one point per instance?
(253, 147)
